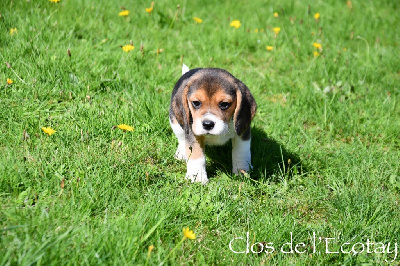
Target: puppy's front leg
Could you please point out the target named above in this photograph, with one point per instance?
(196, 165)
(241, 156)
(180, 153)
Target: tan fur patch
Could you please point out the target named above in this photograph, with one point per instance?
(201, 96)
(238, 104)
(174, 121)
(196, 149)
(211, 104)
(221, 96)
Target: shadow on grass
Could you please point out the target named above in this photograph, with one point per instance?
(271, 161)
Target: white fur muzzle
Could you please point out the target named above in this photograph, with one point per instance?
(220, 127)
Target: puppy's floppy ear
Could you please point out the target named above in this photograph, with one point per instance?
(179, 103)
(185, 107)
(245, 108)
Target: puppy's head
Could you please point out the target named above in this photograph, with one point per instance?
(210, 100)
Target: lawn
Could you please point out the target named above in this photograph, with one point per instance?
(325, 187)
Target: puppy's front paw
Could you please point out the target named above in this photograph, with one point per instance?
(180, 154)
(197, 177)
(239, 168)
(196, 170)
(241, 156)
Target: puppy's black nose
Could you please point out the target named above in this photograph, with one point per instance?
(208, 124)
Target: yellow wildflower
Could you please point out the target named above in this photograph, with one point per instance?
(198, 20)
(270, 48)
(124, 13)
(128, 48)
(276, 14)
(316, 53)
(54, 1)
(187, 233)
(316, 16)
(150, 9)
(317, 45)
(125, 127)
(276, 30)
(256, 30)
(236, 24)
(349, 5)
(9, 81)
(151, 247)
(48, 130)
(13, 31)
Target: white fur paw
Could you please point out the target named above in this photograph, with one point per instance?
(197, 177)
(180, 154)
(196, 170)
(238, 168)
(241, 156)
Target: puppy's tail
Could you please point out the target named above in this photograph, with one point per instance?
(185, 69)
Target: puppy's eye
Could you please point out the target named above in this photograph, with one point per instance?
(196, 104)
(224, 105)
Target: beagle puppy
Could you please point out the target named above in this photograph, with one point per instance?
(209, 106)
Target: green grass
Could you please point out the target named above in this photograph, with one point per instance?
(336, 117)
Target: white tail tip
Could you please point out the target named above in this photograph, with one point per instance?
(185, 69)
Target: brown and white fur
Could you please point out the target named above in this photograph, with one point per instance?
(210, 106)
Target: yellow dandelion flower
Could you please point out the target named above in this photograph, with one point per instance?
(344, 49)
(349, 5)
(128, 48)
(256, 30)
(236, 24)
(150, 9)
(48, 130)
(125, 127)
(9, 81)
(276, 14)
(150, 249)
(316, 53)
(316, 15)
(13, 31)
(198, 20)
(270, 48)
(54, 1)
(123, 13)
(187, 233)
(276, 30)
(317, 45)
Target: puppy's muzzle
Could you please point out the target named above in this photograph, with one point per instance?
(208, 124)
